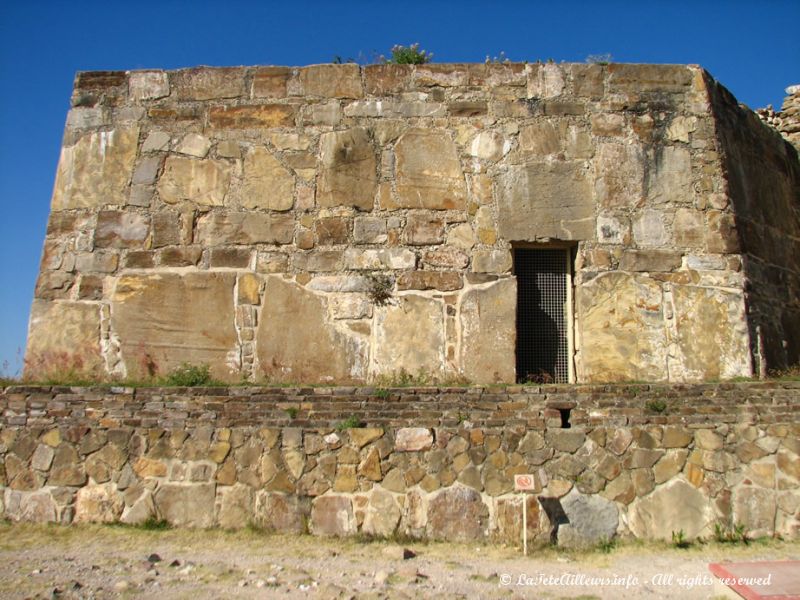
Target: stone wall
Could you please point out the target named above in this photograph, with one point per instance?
(251, 218)
(787, 119)
(638, 460)
(763, 185)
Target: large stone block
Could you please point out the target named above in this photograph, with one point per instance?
(712, 335)
(98, 504)
(546, 200)
(382, 514)
(646, 78)
(347, 175)
(589, 520)
(32, 507)
(621, 323)
(428, 171)
(457, 514)
(670, 181)
(409, 334)
(488, 333)
(281, 512)
(235, 506)
(244, 228)
(163, 321)
(508, 520)
(63, 339)
(208, 83)
(261, 116)
(675, 506)
(184, 505)
(96, 170)
(295, 343)
(117, 229)
(332, 81)
(203, 182)
(266, 182)
(332, 515)
(619, 175)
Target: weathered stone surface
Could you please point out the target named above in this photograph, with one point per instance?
(361, 436)
(428, 172)
(62, 337)
(235, 506)
(545, 200)
(647, 78)
(208, 83)
(270, 82)
(382, 514)
(266, 182)
(508, 518)
(754, 508)
(296, 344)
(675, 506)
(162, 321)
(117, 229)
(445, 257)
(669, 465)
(261, 116)
(623, 312)
(619, 175)
(31, 507)
(204, 182)
(712, 335)
(671, 181)
(347, 174)
(444, 281)
(280, 512)
(194, 144)
(96, 170)
(98, 504)
(148, 85)
(465, 502)
(491, 261)
(244, 228)
(590, 519)
(422, 230)
(332, 515)
(488, 333)
(565, 440)
(186, 505)
(142, 510)
(331, 81)
(413, 439)
(369, 230)
(409, 335)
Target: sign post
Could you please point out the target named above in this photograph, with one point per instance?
(524, 483)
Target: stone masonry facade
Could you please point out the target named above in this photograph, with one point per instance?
(256, 218)
(638, 461)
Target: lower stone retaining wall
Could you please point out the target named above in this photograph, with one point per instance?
(630, 460)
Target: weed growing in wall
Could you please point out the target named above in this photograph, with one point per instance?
(409, 55)
(380, 289)
(188, 375)
(351, 422)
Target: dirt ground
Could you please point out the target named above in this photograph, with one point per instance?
(123, 562)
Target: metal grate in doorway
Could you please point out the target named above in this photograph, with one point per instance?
(543, 352)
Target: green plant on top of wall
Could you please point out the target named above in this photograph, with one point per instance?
(409, 55)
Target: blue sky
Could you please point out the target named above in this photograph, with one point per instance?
(751, 47)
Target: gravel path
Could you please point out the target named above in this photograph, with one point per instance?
(120, 562)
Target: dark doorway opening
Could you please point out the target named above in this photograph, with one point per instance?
(544, 289)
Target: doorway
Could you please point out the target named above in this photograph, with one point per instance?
(544, 314)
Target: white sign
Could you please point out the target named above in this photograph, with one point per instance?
(524, 483)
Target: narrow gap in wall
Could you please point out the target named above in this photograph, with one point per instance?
(565, 413)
